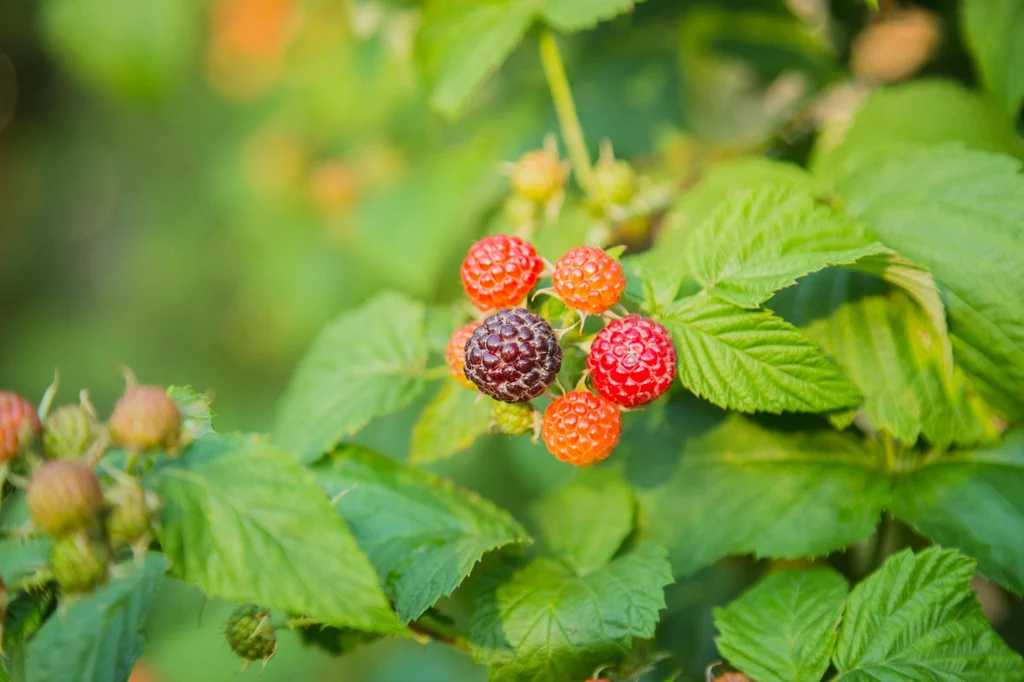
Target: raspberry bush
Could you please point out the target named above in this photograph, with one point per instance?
(738, 404)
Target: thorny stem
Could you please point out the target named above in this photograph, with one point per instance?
(436, 629)
(572, 133)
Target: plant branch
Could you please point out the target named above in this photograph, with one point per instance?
(435, 628)
(572, 133)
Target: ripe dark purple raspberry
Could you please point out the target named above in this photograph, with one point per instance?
(513, 356)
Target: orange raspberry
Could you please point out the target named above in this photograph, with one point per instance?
(455, 353)
(499, 271)
(582, 428)
(588, 279)
(15, 413)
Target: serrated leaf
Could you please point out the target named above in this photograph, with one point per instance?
(888, 345)
(196, 414)
(23, 616)
(366, 363)
(540, 622)
(783, 629)
(465, 41)
(974, 501)
(743, 489)
(992, 30)
(451, 422)
(569, 16)
(917, 618)
(586, 522)
(422, 534)
(98, 637)
(243, 521)
(751, 360)
(926, 111)
(959, 213)
(766, 238)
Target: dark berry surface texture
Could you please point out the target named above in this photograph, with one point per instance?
(513, 356)
(632, 361)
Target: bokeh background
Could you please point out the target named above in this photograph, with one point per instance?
(192, 188)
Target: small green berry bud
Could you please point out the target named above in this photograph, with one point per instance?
(514, 419)
(64, 497)
(68, 432)
(250, 633)
(538, 175)
(128, 515)
(614, 183)
(145, 418)
(79, 562)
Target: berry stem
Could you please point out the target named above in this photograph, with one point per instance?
(434, 628)
(565, 107)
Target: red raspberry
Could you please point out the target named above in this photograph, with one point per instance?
(538, 175)
(588, 279)
(513, 356)
(499, 271)
(144, 418)
(582, 428)
(455, 353)
(15, 413)
(632, 361)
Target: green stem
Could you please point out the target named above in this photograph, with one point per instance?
(572, 133)
(889, 449)
(440, 631)
(435, 373)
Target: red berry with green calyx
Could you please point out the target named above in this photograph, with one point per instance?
(64, 497)
(632, 361)
(146, 418)
(68, 432)
(582, 428)
(513, 356)
(588, 279)
(250, 633)
(18, 419)
(79, 562)
(128, 515)
(499, 271)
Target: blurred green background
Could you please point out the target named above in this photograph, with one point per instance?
(192, 188)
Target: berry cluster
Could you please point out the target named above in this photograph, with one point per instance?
(513, 355)
(66, 501)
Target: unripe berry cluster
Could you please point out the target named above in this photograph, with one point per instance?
(513, 354)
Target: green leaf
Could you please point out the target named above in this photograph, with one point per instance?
(569, 16)
(586, 522)
(959, 213)
(465, 41)
(20, 559)
(366, 363)
(742, 488)
(927, 111)
(751, 360)
(24, 615)
(974, 501)
(451, 422)
(888, 345)
(766, 238)
(422, 534)
(196, 415)
(917, 618)
(98, 638)
(992, 31)
(243, 521)
(540, 622)
(783, 629)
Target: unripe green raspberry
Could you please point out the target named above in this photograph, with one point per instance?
(538, 175)
(514, 419)
(614, 182)
(64, 497)
(144, 418)
(68, 432)
(128, 516)
(79, 562)
(250, 634)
